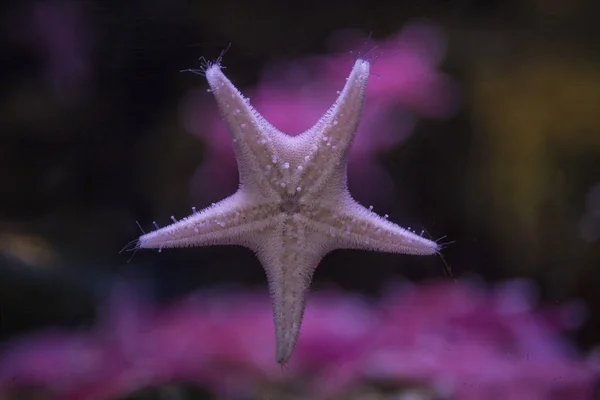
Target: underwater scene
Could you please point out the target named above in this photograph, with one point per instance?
(394, 200)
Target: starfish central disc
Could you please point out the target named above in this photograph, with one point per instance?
(290, 205)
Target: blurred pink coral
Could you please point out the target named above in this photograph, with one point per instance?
(293, 96)
(461, 340)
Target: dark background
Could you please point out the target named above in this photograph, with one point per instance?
(91, 142)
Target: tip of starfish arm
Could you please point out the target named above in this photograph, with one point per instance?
(360, 71)
(143, 242)
(287, 336)
(213, 69)
(215, 76)
(132, 245)
(159, 239)
(362, 65)
(424, 247)
(432, 248)
(412, 243)
(283, 353)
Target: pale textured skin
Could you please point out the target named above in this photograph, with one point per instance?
(293, 204)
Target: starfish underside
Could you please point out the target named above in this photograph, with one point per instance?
(293, 204)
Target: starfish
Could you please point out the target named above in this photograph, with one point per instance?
(293, 205)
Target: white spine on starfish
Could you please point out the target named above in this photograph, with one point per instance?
(293, 205)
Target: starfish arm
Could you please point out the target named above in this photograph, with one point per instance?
(251, 134)
(289, 258)
(332, 136)
(352, 226)
(231, 221)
